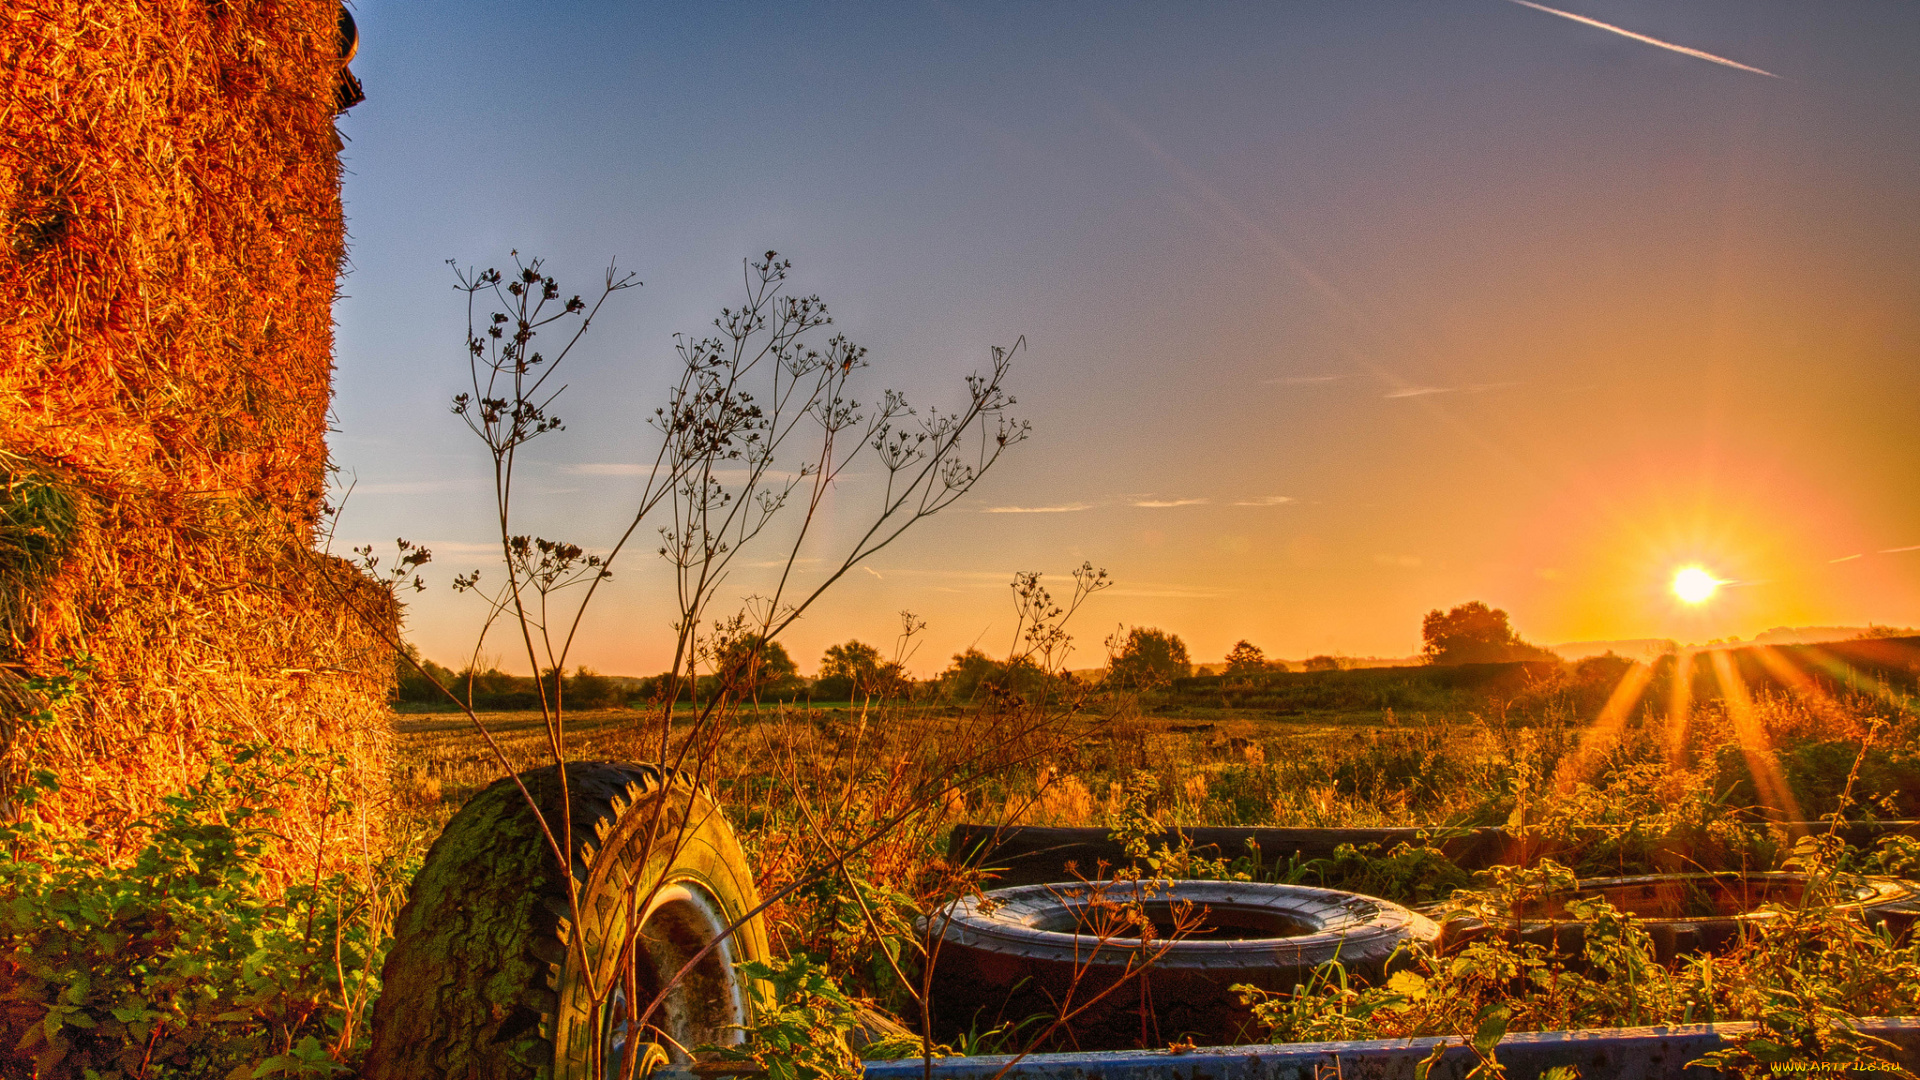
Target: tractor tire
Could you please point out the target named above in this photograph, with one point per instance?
(484, 980)
(1011, 954)
(1683, 914)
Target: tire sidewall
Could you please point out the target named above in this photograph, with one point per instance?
(691, 846)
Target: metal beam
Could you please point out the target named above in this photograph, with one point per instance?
(1655, 1053)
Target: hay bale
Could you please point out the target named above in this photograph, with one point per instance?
(170, 237)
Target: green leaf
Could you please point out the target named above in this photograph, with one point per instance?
(1493, 1028)
(1408, 984)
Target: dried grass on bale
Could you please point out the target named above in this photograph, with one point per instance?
(170, 236)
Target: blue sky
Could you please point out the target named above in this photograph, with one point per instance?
(1335, 313)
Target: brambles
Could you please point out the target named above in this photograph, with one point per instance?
(184, 962)
(1636, 813)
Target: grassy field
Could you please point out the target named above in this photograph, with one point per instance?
(1612, 790)
(1676, 778)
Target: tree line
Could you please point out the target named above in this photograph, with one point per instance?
(1139, 658)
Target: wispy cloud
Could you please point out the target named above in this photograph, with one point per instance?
(1162, 504)
(1172, 592)
(1656, 42)
(1894, 551)
(607, 468)
(1066, 509)
(1844, 558)
(412, 487)
(1303, 380)
(1423, 391)
(872, 571)
(724, 476)
(1265, 500)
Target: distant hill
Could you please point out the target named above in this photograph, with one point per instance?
(1631, 648)
(1645, 648)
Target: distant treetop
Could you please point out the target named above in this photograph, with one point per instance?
(1146, 658)
(1474, 633)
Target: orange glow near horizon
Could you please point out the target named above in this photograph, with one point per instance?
(1641, 546)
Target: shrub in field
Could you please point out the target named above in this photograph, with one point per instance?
(856, 671)
(1146, 658)
(974, 677)
(1473, 633)
(1245, 661)
(1418, 768)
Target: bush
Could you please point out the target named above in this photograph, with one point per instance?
(1147, 659)
(186, 962)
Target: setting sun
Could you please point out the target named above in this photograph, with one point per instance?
(1694, 585)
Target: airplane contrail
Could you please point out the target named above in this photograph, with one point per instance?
(1668, 45)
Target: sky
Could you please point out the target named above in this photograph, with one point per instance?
(1333, 313)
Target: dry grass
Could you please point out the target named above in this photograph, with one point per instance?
(169, 198)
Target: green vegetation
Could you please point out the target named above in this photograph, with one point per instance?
(206, 949)
(186, 948)
(186, 961)
(1597, 803)
(40, 520)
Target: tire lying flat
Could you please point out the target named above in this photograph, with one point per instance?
(1657, 902)
(1013, 953)
(483, 980)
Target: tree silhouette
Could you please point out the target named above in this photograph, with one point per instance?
(1246, 660)
(754, 667)
(1474, 633)
(854, 670)
(1148, 658)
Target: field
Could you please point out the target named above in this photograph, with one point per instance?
(843, 812)
(1540, 752)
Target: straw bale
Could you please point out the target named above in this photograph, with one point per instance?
(170, 239)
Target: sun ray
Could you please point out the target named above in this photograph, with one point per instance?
(1755, 747)
(1584, 762)
(1859, 681)
(1679, 708)
(1806, 688)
